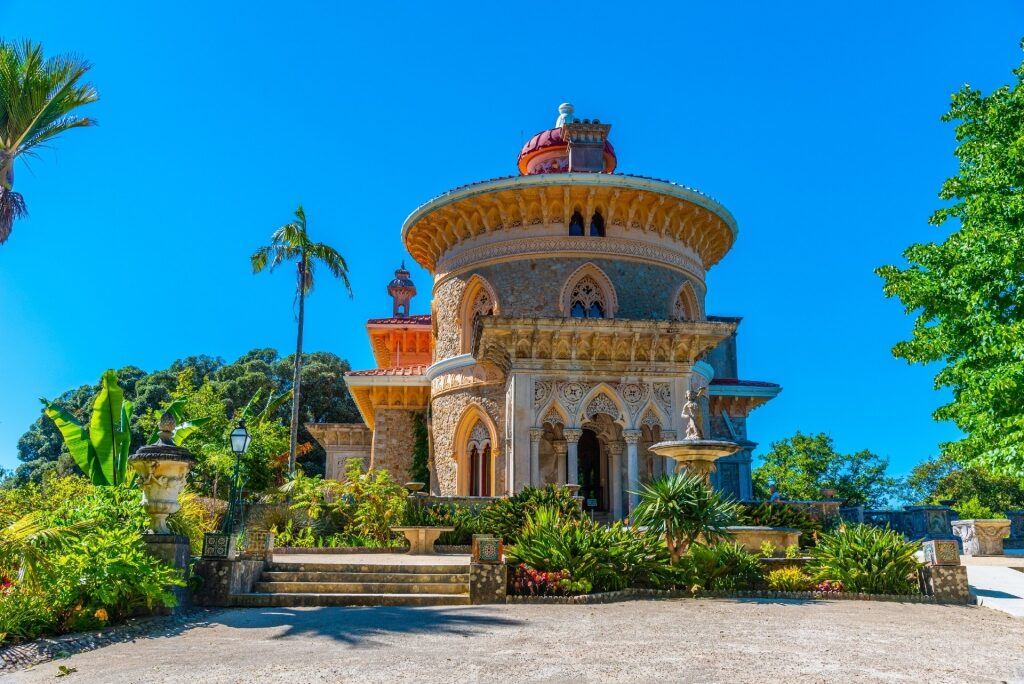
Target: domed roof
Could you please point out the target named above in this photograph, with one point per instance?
(553, 140)
(401, 279)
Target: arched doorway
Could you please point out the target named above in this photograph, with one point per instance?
(591, 472)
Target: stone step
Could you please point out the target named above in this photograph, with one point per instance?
(410, 568)
(361, 588)
(264, 600)
(396, 577)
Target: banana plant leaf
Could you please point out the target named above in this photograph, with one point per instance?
(105, 426)
(76, 437)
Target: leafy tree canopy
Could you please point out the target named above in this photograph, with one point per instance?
(325, 399)
(967, 292)
(943, 479)
(802, 465)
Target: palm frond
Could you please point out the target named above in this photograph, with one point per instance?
(334, 262)
(12, 208)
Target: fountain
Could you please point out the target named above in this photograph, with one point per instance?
(695, 454)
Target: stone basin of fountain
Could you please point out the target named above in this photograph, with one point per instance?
(696, 456)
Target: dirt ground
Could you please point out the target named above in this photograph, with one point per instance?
(707, 640)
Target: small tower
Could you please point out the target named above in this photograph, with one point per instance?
(401, 290)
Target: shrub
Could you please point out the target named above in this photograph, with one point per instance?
(466, 520)
(767, 549)
(683, 508)
(789, 579)
(506, 517)
(720, 567)
(793, 551)
(109, 568)
(607, 557)
(973, 509)
(24, 614)
(780, 514)
(866, 559)
(192, 520)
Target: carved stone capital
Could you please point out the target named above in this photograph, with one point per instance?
(572, 434)
(560, 446)
(536, 434)
(631, 436)
(616, 448)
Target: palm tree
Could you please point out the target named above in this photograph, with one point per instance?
(37, 98)
(23, 543)
(291, 242)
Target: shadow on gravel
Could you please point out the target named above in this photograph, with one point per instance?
(358, 625)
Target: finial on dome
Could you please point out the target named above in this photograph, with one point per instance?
(565, 114)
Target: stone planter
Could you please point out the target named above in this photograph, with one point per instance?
(162, 468)
(750, 537)
(982, 537)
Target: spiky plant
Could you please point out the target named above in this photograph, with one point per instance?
(23, 543)
(37, 99)
(684, 509)
(291, 242)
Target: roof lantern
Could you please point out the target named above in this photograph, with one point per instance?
(573, 145)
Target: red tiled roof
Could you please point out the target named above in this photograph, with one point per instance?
(742, 383)
(419, 319)
(417, 369)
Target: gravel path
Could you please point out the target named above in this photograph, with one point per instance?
(671, 640)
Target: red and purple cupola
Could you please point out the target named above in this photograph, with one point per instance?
(572, 145)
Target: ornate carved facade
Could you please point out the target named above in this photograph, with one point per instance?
(566, 326)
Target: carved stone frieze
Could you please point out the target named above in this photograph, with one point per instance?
(541, 392)
(603, 404)
(663, 395)
(634, 395)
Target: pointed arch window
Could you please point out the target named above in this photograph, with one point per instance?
(576, 224)
(587, 299)
(597, 225)
(686, 306)
(479, 454)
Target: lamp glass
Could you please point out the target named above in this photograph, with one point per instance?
(240, 439)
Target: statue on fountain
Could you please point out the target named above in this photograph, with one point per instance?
(693, 414)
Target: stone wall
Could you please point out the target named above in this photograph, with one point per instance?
(394, 438)
(531, 287)
(446, 412)
(223, 579)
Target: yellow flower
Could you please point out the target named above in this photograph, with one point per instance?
(101, 615)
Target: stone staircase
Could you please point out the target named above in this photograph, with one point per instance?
(291, 584)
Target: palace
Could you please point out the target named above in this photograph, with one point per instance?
(566, 324)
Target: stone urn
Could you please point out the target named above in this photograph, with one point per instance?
(162, 468)
(982, 537)
(415, 487)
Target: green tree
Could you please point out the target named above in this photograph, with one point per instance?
(943, 479)
(291, 242)
(967, 292)
(802, 465)
(38, 98)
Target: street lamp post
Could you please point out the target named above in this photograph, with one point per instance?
(224, 544)
(234, 521)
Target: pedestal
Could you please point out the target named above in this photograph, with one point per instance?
(487, 583)
(947, 583)
(173, 549)
(982, 537)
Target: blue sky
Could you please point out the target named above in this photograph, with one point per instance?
(815, 124)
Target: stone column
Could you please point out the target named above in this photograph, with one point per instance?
(561, 449)
(615, 466)
(535, 436)
(632, 466)
(572, 466)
